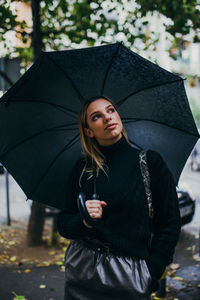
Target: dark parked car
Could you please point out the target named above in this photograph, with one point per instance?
(186, 205)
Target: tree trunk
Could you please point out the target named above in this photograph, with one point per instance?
(37, 32)
(36, 220)
(36, 224)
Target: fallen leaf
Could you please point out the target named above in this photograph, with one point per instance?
(46, 263)
(11, 243)
(171, 273)
(42, 286)
(157, 298)
(52, 252)
(23, 260)
(59, 263)
(179, 278)
(188, 248)
(174, 266)
(18, 297)
(13, 258)
(196, 257)
(27, 271)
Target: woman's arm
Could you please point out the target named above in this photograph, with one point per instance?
(70, 223)
(166, 220)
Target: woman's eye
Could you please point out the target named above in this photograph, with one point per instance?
(95, 117)
(111, 109)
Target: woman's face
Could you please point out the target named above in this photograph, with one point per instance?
(104, 122)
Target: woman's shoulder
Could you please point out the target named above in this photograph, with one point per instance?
(157, 164)
(154, 157)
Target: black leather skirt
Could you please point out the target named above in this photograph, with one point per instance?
(94, 273)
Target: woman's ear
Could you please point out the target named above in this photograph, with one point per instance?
(89, 132)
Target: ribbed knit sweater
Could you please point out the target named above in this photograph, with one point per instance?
(125, 222)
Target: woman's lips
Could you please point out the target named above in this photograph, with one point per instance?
(111, 126)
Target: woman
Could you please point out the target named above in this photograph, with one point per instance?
(123, 230)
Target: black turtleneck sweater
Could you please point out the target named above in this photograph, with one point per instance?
(125, 222)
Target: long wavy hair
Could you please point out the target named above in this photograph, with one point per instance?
(94, 158)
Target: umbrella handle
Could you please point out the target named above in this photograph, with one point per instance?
(83, 209)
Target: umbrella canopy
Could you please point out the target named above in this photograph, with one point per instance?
(39, 134)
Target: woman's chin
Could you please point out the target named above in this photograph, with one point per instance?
(115, 135)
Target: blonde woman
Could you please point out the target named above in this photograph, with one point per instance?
(112, 257)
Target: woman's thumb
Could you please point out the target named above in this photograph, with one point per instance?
(103, 203)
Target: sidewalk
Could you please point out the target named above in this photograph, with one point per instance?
(37, 282)
(184, 284)
(42, 283)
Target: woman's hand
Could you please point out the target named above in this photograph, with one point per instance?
(95, 209)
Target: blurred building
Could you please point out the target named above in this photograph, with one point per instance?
(10, 67)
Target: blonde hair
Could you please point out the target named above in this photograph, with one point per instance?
(94, 158)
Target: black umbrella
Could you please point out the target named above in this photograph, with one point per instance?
(39, 135)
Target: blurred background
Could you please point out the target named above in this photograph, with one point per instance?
(165, 32)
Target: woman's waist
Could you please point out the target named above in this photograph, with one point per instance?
(116, 247)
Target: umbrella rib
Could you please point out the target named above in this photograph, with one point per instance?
(129, 120)
(109, 67)
(36, 134)
(70, 144)
(147, 88)
(60, 107)
(68, 77)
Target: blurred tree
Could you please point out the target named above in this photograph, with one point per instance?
(183, 20)
(67, 23)
(61, 24)
(184, 15)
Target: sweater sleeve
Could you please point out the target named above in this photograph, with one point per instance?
(70, 222)
(166, 220)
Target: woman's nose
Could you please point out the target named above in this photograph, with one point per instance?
(107, 117)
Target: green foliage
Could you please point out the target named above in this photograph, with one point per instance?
(184, 14)
(67, 23)
(8, 22)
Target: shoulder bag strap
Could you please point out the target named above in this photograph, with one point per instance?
(146, 179)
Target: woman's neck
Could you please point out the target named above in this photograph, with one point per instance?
(115, 147)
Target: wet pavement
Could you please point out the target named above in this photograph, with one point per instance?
(47, 283)
(42, 283)
(185, 283)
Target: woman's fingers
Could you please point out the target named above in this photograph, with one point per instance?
(94, 208)
(103, 203)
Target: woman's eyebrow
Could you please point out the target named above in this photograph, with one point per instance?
(98, 111)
